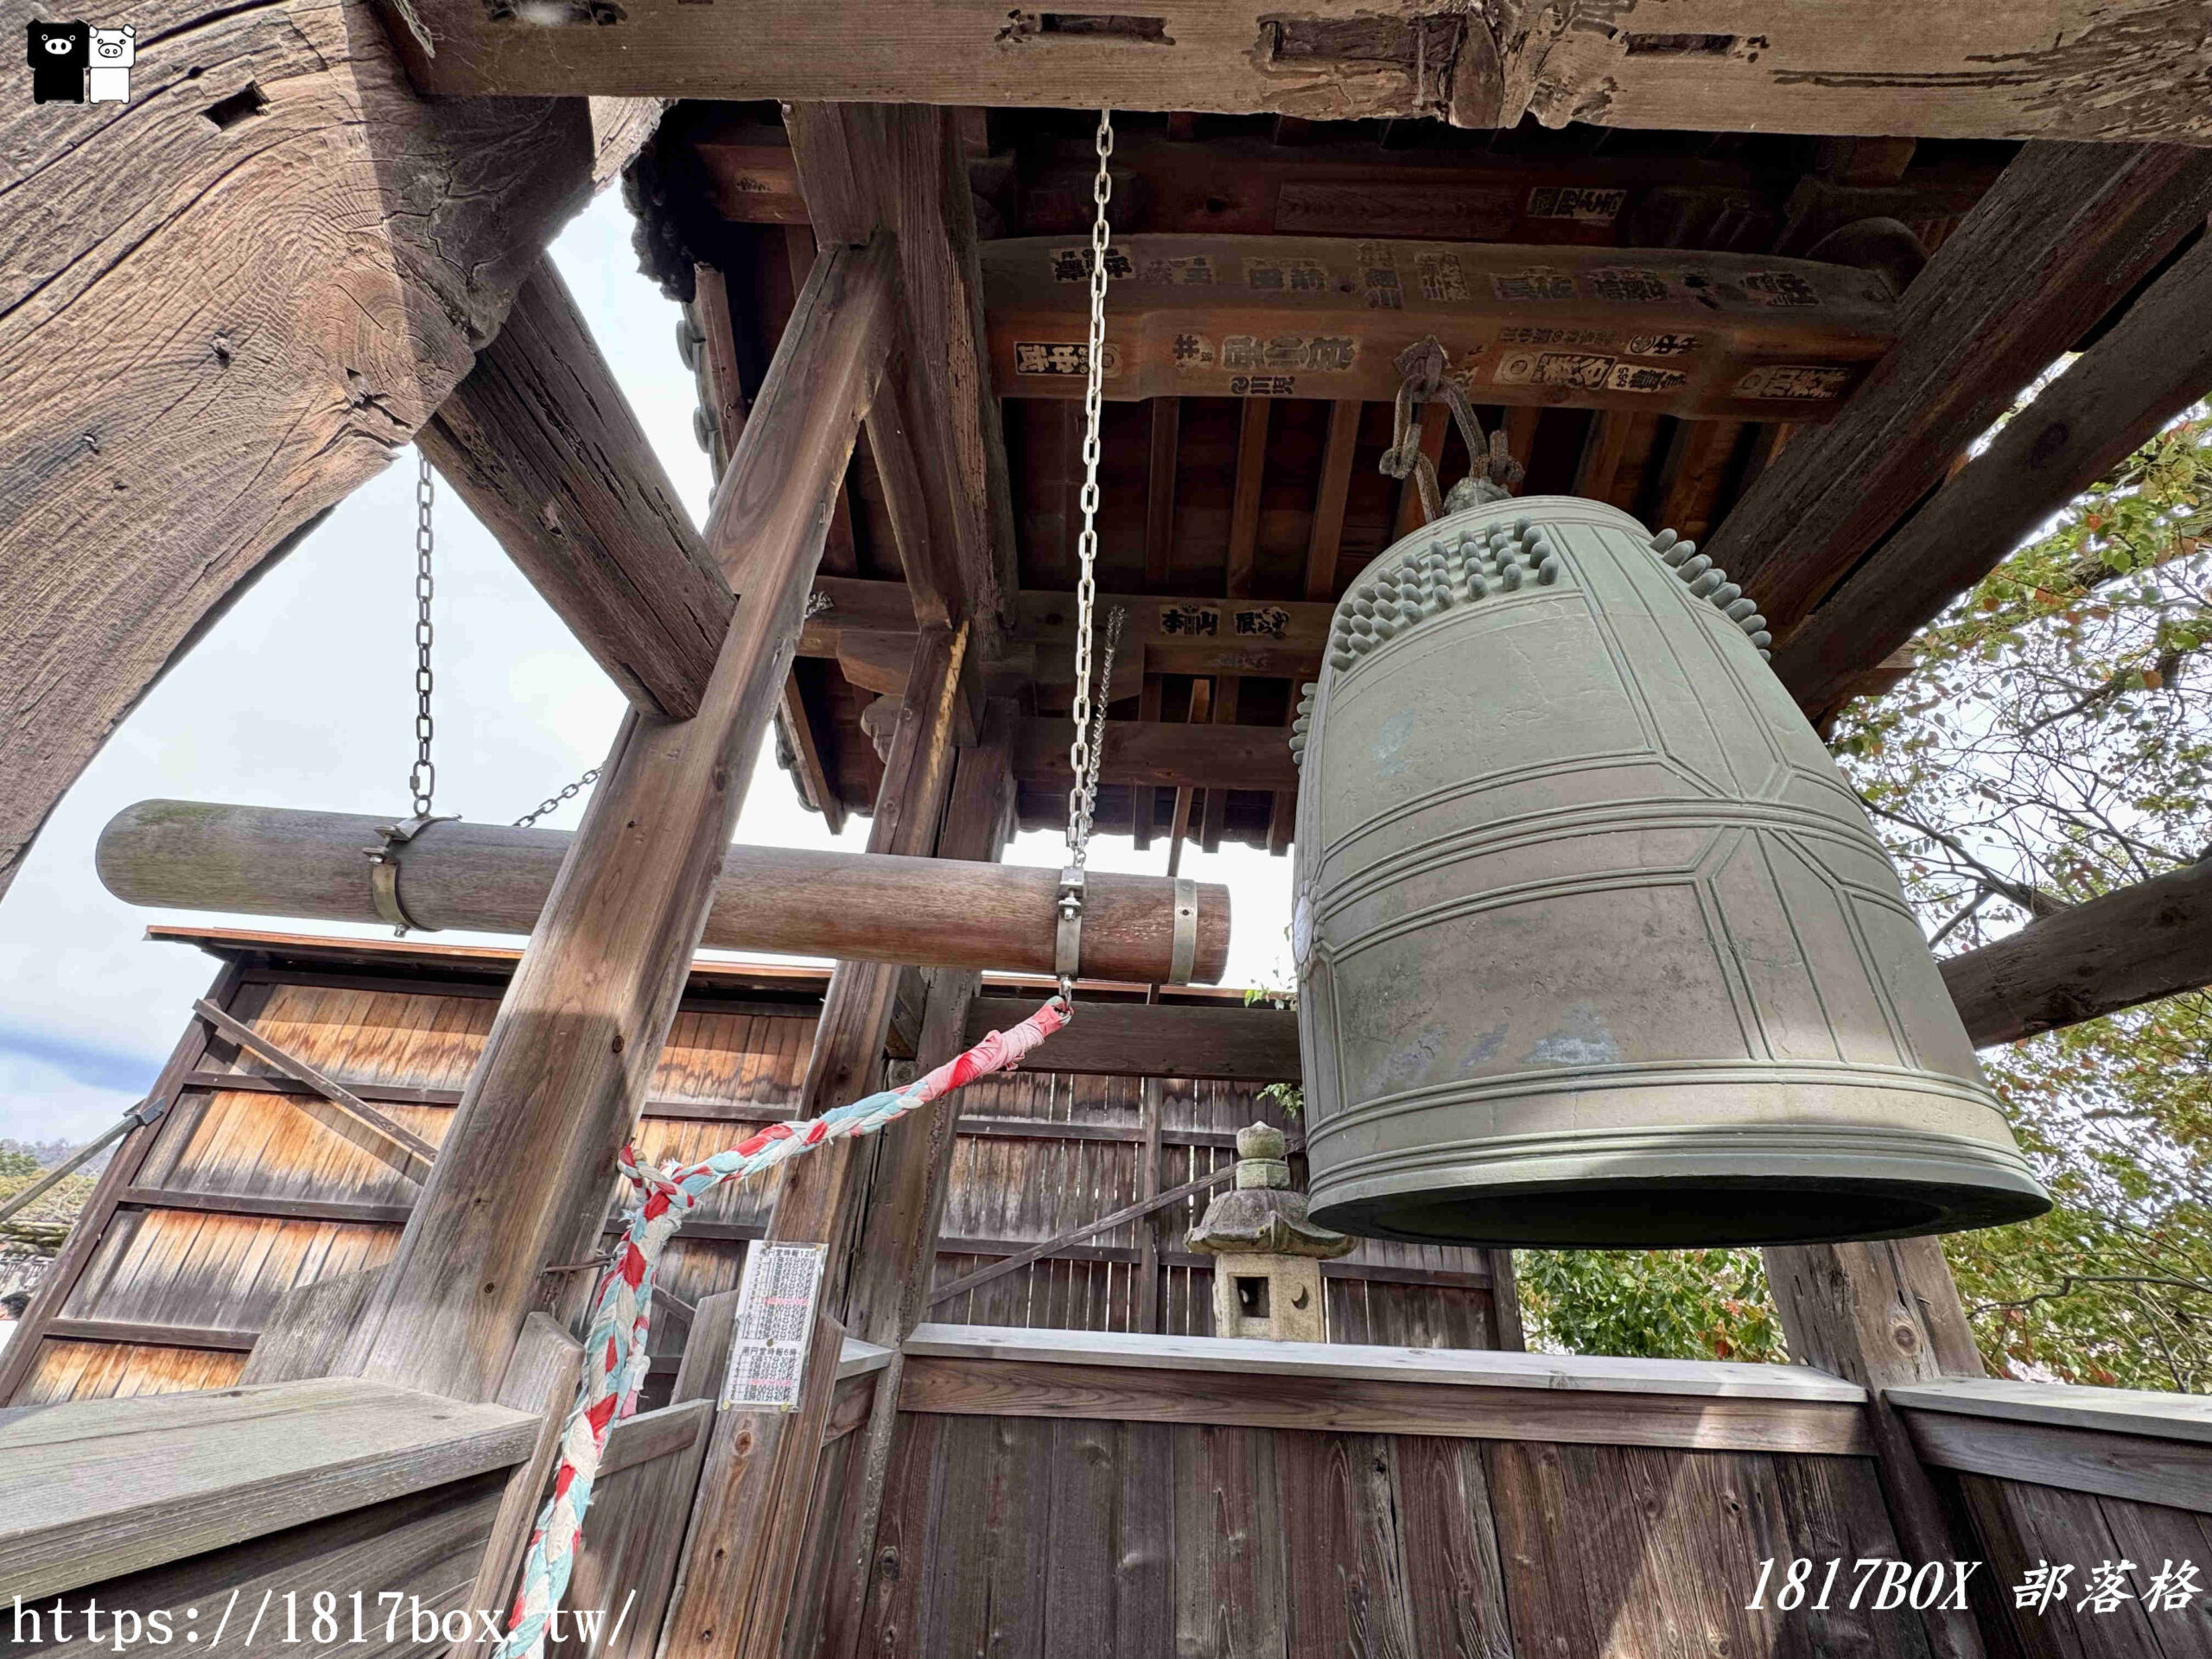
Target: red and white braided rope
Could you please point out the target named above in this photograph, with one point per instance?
(622, 1309)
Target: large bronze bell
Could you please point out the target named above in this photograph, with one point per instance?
(1594, 946)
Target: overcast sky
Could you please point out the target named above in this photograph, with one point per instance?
(303, 697)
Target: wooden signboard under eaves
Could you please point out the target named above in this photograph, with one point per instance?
(252, 1185)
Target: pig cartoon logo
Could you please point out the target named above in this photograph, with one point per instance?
(59, 55)
(113, 52)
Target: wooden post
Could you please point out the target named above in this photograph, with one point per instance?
(542, 445)
(1883, 1315)
(522, 1178)
(1149, 1113)
(895, 1259)
(749, 1522)
(226, 304)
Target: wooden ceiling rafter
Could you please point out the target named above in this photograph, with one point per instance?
(1874, 67)
(2153, 363)
(2065, 234)
(1243, 547)
(805, 735)
(866, 167)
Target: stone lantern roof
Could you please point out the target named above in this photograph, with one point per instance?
(1264, 1215)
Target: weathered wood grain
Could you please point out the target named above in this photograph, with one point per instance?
(903, 1220)
(305, 1336)
(874, 907)
(54, 1290)
(421, 1547)
(2135, 945)
(2177, 1473)
(95, 1488)
(520, 1182)
(1864, 67)
(540, 443)
(1886, 1315)
(1025, 1387)
(213, 329)
(1254, 1044)
(897, 168)
(749, 1530)
(2063, 235)
(542, 1378)
(413, 1152)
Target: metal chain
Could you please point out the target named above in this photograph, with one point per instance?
(552, 801)
(1081, 755)
(423, 776)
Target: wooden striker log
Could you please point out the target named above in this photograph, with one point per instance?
(493, 879)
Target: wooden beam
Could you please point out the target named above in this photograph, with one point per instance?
(721, 396)
(1139, 1040)
(1244, 551)
(806, 754)
(1346, 1388)
(1238, 184)
(1885, 1315)
(1188, 634)
(2151, 365)
(899, 1236)
(212, 333)
(1206, 756)
(1602, 454)
(2144, 942)
(1325, 543)
(395, 1142)
(521, 1180)
(541, 444)
(1663, 333)
(2140, 1468)
(92, 1489)
(749, 1522)
(2067, 233)
(497, 879)
(1855, 67)
(871, 168)
(1160, 494)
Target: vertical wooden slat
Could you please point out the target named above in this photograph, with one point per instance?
(1144, 797)
(1325, 541)
(1883, 1315)
(1146, 1313)
(1159, 495)
(1602, 452)
(1243, 549)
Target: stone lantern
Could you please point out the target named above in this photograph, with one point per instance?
(1267, 1276)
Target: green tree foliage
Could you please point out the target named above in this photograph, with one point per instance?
(2051, 742)
(1672, 1304)
(45, 1224)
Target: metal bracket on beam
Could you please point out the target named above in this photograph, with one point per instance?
(384, 870)
(1185, 953)
(1067, 941)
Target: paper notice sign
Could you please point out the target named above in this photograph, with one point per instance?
(775, 1325)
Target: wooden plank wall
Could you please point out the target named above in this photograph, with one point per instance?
(1031, 1178)
(1035, 1536)
(248, 1187)
(2023, 1525)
